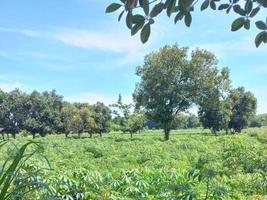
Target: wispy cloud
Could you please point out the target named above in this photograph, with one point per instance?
(245, 44)
(87, 39)
(25, 32)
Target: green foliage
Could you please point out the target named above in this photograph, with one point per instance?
(183, 9)
(191, 165)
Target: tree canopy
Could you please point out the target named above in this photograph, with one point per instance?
(141, 14)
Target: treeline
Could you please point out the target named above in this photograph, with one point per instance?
(46, 113)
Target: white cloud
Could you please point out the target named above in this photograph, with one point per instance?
(92, 98)
(112, 41)
(25, 32)
(261, 70)
(245, 44)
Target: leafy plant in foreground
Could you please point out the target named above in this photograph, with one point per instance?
(14, 184)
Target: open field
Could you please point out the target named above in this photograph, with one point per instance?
(230, 166)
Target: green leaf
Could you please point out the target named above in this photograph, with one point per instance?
(188, 19)
(138, 19)
(261, 25)
(156, 10)
(212, 5)
(170, 7)
(254, 12)
(248, 6)
(224, 6)
(239, 10)
(145, 33)
(145, 5)
(178, 17)
(129, 21)
(238, 23)
(113, 7)
(247, 24)
(204, 5)
(261, 37)
(137, 27)
(120, 16)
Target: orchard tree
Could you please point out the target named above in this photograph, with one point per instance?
(13, 111)
(141, 14)
(214, 107)
(43, 113)
(170, 81)
(102, 117)
(88, 122)
(136, 122)
(67, 113)
(122, 113)
(244, 105)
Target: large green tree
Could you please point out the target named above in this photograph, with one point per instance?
(141, 14)
(171, 79)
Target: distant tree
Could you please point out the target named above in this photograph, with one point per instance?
(67, 114)
(12, 111)
(256, 121)
(180, 121)
(88, 122)
(140, 15)
(43, 113)
(122, 113)
(244, 105)
(102, 117)
(193, 121)
(136, 122)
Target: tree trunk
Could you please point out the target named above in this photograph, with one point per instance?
(131, 135)
(167, 131)
(91, 135)
(14, 135)
(66, 135)
(100, 134)
(33, 136)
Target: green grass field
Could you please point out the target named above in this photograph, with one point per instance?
(190, 165)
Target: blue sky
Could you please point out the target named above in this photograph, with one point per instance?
(86, 55)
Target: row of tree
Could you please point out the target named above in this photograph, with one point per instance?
(44, 113)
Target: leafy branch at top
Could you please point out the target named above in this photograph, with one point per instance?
(140, 14)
